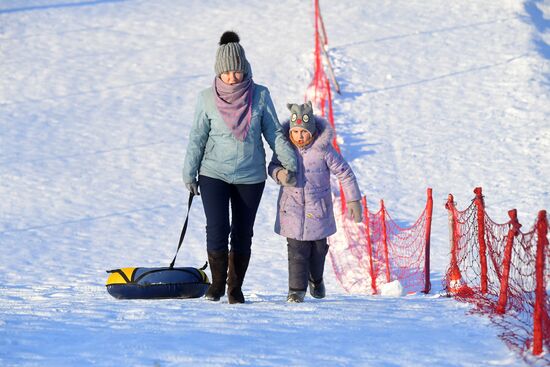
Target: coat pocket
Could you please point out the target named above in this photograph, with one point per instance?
(290, 206)
(209, 147)
(316, 208)
(223, 151)
(319, 209)
(324, 206)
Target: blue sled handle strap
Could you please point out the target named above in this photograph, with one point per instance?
(182, 236)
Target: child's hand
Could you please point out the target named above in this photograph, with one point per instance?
(286, 178)
(354, 210)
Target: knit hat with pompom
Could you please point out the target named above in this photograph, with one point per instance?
(231, 56)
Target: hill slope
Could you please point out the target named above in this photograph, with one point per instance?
(96, 102)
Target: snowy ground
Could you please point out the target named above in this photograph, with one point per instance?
(96, 99)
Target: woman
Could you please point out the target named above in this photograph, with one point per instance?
(226, 151)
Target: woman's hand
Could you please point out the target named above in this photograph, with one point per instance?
(286, 178)
(193, 187)
(354, 210)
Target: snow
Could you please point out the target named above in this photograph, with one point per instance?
(96, 100)
(392, 289)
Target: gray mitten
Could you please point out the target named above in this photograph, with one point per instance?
(193, 187)
(354, 210)
(286, 178)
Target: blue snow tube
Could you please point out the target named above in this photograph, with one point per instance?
(157, 283)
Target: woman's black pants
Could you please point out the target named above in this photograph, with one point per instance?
(217, 195)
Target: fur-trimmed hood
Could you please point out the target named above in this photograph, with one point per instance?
(322, 138)
(304, 211)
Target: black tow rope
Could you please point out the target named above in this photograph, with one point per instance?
(182, 236)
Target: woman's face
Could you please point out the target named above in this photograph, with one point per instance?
(232, 77)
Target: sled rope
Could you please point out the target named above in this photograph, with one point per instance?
(184, 229)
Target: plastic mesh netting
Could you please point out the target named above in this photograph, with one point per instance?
(504, 272)
(378, 250)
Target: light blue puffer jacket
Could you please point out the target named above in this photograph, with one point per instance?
(213, 151)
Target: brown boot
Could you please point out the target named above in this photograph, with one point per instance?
(218, 268)
(238, 264)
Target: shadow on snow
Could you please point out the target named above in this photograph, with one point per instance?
(542, 25)
(58, 6)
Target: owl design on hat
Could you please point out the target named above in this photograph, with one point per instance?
(301, 116)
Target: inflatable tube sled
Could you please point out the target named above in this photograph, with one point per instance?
(157, 283)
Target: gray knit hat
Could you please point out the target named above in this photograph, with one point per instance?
(301, 115)
(230, 55)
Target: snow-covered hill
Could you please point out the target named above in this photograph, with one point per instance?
(96, 100)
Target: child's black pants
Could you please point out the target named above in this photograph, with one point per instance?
(306, 261)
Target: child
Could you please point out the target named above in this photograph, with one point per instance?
(304, 208)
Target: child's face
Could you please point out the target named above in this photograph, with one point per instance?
(300, 137)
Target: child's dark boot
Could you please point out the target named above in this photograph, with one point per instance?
(317, 288)
(295, 296)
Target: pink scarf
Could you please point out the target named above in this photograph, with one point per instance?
(234, 103)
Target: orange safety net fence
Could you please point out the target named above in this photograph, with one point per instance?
(378, 251)
(504, 272)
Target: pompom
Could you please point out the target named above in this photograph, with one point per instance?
(229, 36)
